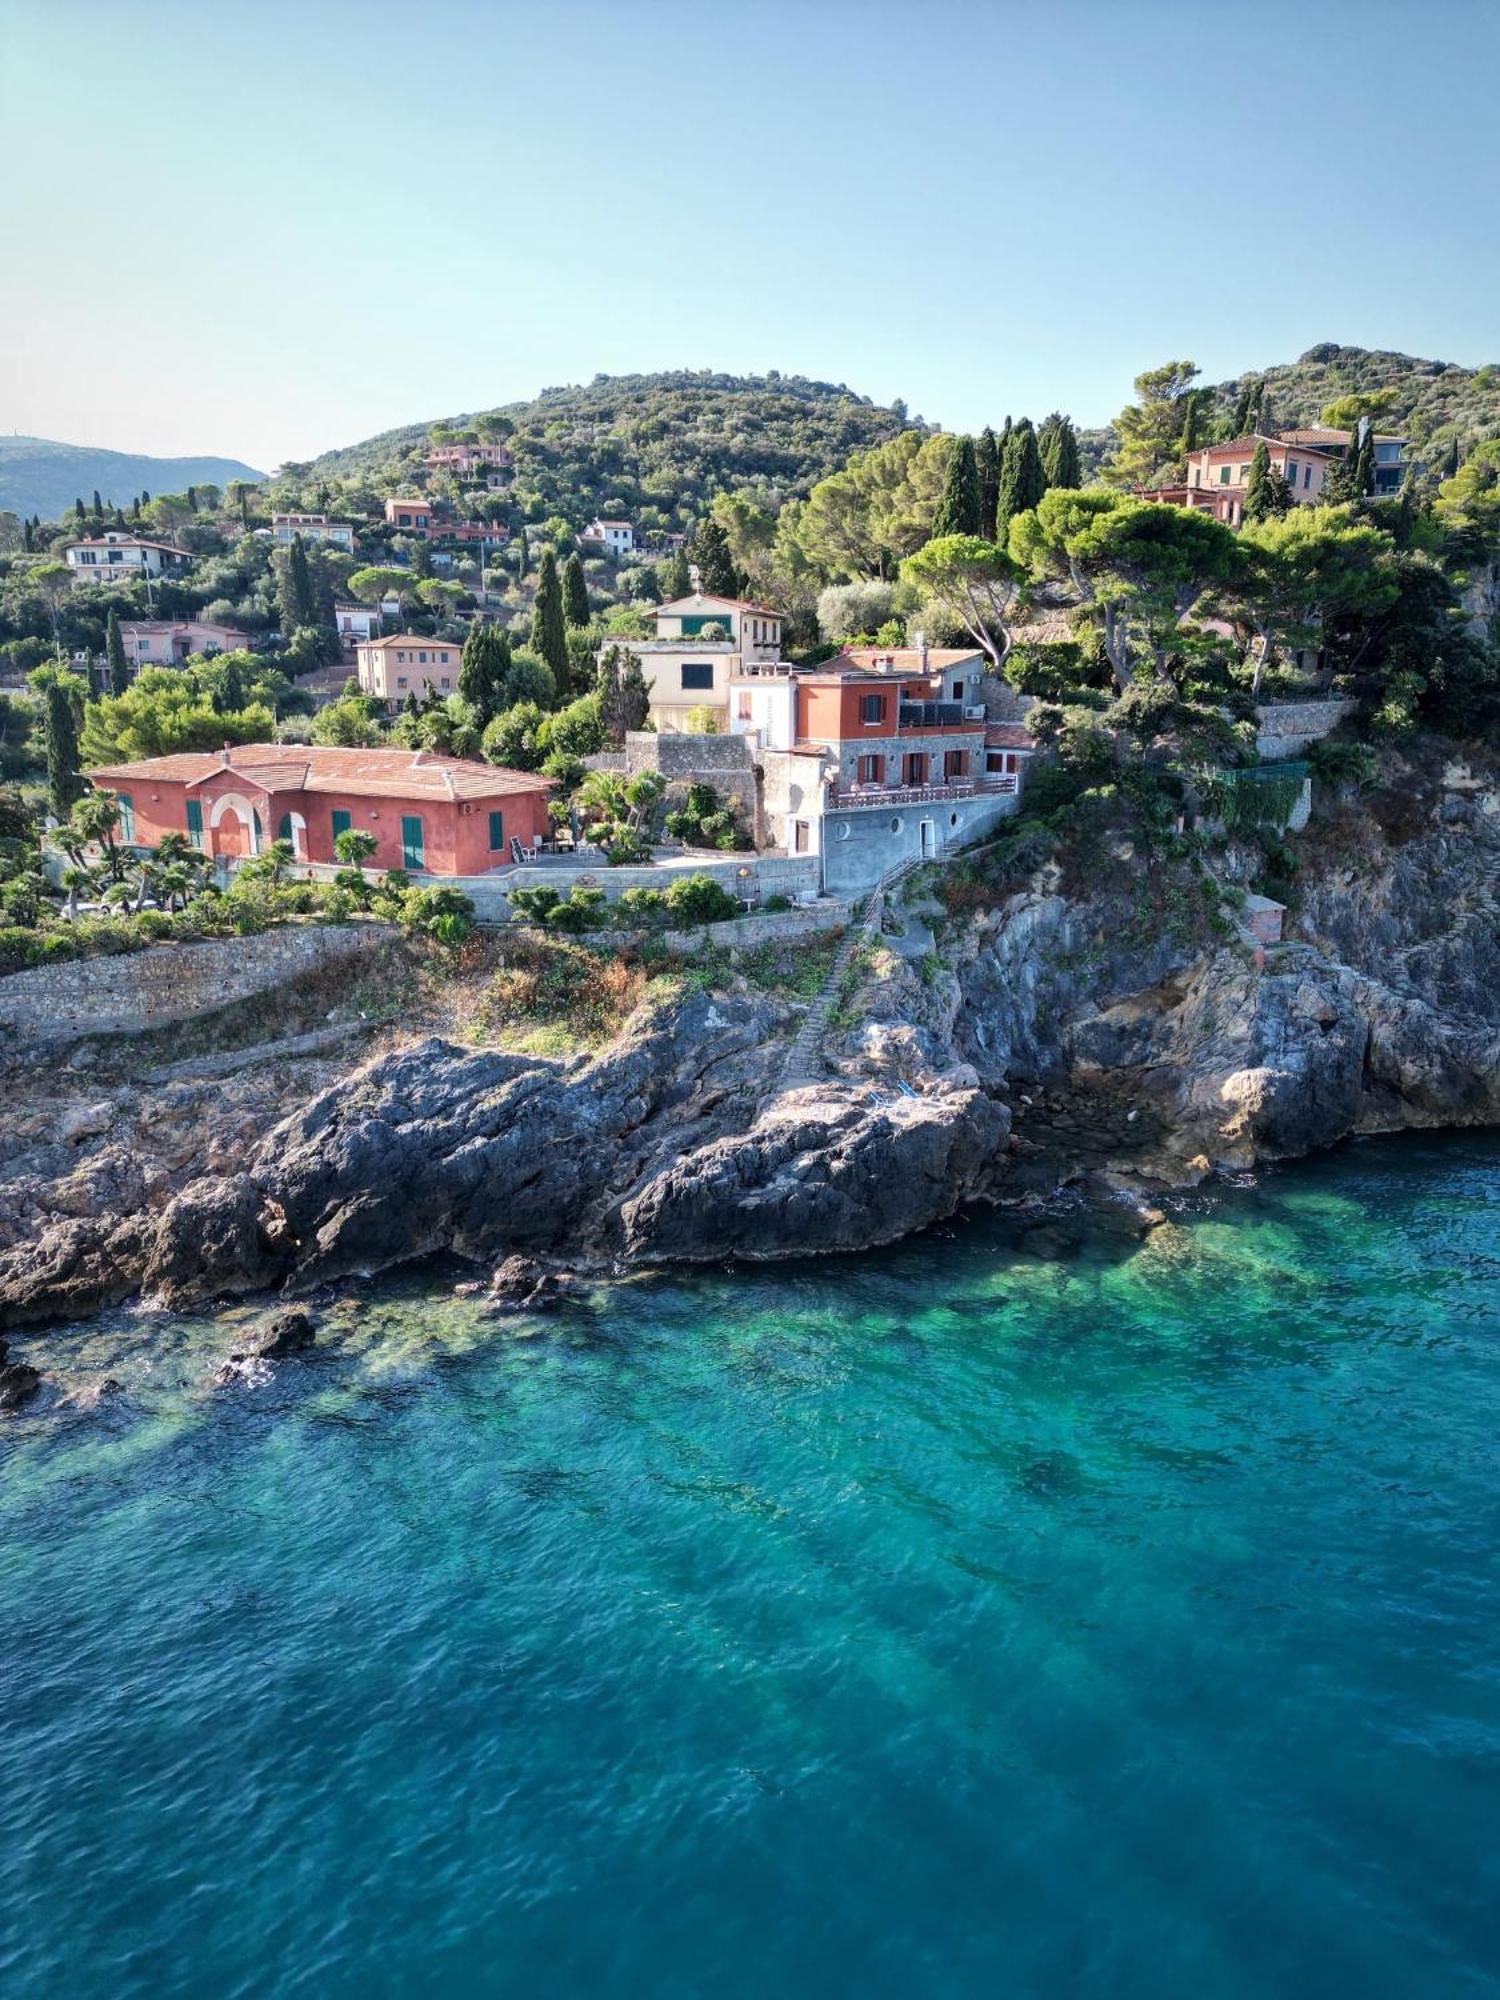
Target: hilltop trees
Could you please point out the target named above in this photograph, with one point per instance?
(1022, 480)
(1152, 429)
(165, 710)
(1143, 567)
(975, 581)
(863, 521)
(1294, 573)
(1057, 441)
(960, 507)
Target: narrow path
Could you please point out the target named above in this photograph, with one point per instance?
(804, 1059)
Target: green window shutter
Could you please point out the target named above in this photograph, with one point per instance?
(411, 841)
(497, 832)
(127, 815)
(284, 827)
(342, 822)
(195, 822)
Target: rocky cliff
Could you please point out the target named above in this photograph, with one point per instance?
(1058, 1034)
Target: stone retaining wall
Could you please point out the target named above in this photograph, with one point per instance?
(770, 875)
(169, 982)
(1286, 728)
(768, 927)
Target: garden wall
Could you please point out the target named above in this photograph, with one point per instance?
(169, 982)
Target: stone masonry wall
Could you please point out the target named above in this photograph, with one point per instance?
(169, 982)
(1286, 728)
(711, 760)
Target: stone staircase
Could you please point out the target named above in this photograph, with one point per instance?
(804, 1059)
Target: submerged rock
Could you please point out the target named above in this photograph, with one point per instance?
(522, 1284)
(19, 1381)
(284, 1334)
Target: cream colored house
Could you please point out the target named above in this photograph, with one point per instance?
(701, 644)
(286, 528)
(391, 669)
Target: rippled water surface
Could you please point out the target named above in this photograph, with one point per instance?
(940, 1623)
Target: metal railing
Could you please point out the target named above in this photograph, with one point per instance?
(841, 797)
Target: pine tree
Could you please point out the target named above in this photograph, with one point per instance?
(549, 631)
(114, 648)
(1058, 445)
(1267, 492)
(1022, 480)
(676, 577)
(576, 608)
(987, 457)
(483, 667)
(960, 505)
(298, 606)
(711, 556)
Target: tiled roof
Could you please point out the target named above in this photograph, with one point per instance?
(407, 639)
(128, 542)
(300, 767)
(911, 659)
(698, 598)
(1008, 736)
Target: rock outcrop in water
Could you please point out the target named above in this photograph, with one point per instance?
(1059, 1040)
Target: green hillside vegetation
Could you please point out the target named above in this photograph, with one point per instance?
(39, 476)
(653, 448)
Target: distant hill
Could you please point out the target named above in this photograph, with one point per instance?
(41, 476)
(666, 442)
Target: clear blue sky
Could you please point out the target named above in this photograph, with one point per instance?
(265, 229)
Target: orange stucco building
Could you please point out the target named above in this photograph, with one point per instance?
(441, 815)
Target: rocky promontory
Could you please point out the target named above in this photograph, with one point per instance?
(1056, 1032)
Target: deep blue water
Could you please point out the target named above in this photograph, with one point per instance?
(938, 1623)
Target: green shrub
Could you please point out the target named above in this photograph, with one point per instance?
(698, 899)
(774, 905)
(644, 906)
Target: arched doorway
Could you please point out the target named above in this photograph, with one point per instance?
(292, 828)
(235, 826)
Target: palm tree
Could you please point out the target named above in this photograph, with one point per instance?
(75, 879)
(94, 817)
(175, 882)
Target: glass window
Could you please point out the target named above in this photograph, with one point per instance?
(1223, 475)
(284, 829)
(401, 680)
(872, 708)
(1306, 477)
(697, 674)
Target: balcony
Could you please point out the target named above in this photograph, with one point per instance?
(930, 714)
(995, 781)
(842, 797)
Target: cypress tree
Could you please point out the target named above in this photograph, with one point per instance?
(192, 499)
(549, 631)
(717, 575)
(298, 607)
(483, 667)
(1450, 460)
(987, 457)
(1364, 461)
(1267, 492)
(98, 509)
(229, 697)
(80, 511)
(65, 783)
(576, 608)
(960, 507)
(523, 553)
(114, 648)
(1022, 480)
(1058, 445)
(676, 577)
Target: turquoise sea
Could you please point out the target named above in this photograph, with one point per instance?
(940, 1623)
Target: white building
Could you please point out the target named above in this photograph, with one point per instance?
(358, 621)
(617, 538)
(285, 528)
(117, 558)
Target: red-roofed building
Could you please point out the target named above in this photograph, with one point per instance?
(444, 815)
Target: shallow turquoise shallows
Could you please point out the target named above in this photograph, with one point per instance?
(938, 1623)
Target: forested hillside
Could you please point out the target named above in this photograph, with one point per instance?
(653, 447)
(1434, 403)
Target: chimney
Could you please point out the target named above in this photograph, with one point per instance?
(919, 640)
(224, 756)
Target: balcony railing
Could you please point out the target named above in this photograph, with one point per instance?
(993, 781)
(841, 797)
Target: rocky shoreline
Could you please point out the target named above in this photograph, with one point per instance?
(1058, 1043)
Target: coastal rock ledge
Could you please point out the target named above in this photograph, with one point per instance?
(671, 1146)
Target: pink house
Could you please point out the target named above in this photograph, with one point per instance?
(163, 642)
